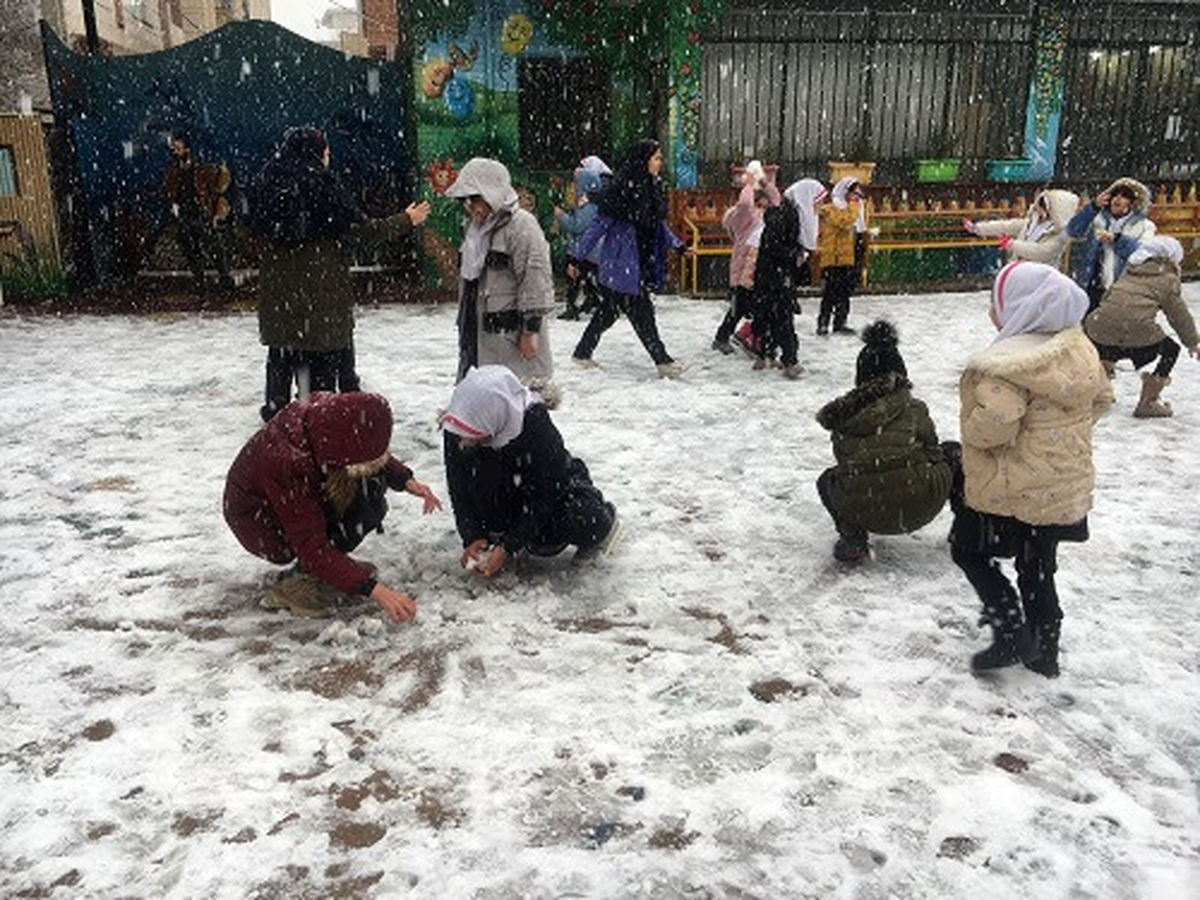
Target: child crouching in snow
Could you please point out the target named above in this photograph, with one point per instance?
(308, 487)
(513, 485)
(1029, 402)
(891, 476)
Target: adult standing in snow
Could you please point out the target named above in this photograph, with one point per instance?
(1110, 228)
(843, 225)
(632, 225)
(1124, 326)
(195, 193)
(743, 221)
(308, 486)
(891, 475)
(581, 272)
(1029, 402)
(513, 484)
(506, 285)
(305, 291)
(1041, 236)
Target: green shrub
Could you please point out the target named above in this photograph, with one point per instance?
(31, 275)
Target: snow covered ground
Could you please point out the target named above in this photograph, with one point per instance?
(716, 710)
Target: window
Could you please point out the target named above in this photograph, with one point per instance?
(564, 111)
(8, 173)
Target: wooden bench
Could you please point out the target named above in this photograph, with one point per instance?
(695, 216)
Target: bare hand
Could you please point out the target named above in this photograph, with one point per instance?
(472, 552)
(968, 226)
(400, 607)
(559, 212)
(1103, 199)
(572, 270)
(418, 212)
(1194, 351)
(527, 343)
(1106, 237)
(689, 252)
(1004, 241)
(494, 563)
(417, 489)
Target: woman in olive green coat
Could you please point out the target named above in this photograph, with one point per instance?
(891, 476)
(305, 292)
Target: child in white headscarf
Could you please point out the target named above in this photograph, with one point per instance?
(1029, 402)
(513, 485)
(1123, 326)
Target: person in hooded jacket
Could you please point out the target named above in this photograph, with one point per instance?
(312, 224)
(743, 222)
(1041, 236)
(513, 485)
(1028, 405)
(1109, 227)
(776, 277)
(843, 227)
(632, 226)
(308, 487)
(892, 476)
(1123, 326)
(506, 284)
(581, 272)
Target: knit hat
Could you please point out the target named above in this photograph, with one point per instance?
(879, 356)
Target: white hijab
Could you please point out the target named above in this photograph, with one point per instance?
(1033, 297)
(840, 201)
(804, 195)
(489, 405)
(1157, 245)
(595, 164)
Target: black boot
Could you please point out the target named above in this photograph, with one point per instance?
(1008, 648)
(1046, 663)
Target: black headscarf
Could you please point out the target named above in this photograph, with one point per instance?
(295, 198)
(634, 194)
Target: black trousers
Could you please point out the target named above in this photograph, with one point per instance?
(835, 298)
(1166, 351)
(741, 306)
(198, 242)
(825, 483)
(583, 283)
(640, 312)
(331, 371)
(773, 323)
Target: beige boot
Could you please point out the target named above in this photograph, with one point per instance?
(1149, 406)
(301, 595)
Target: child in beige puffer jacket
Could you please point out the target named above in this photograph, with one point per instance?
(1029, 401)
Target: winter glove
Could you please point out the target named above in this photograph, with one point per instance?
(1005, 240)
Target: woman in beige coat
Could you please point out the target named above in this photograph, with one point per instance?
(1124, 325)
(1029, 401)
(1041, 236)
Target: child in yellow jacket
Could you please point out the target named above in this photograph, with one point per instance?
(843, 220)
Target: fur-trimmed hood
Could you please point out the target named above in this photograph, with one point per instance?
(1141, 203)
(1056, 366)
(846, 413)
(1062, 205)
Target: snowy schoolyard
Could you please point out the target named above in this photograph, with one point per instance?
(716, 710)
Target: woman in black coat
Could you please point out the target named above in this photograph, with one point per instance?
(513, 485)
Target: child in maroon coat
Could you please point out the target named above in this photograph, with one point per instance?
(308, 487)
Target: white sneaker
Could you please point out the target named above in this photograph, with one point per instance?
(608, 543)
(585, 363)
(672, 369)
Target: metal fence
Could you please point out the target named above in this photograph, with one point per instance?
(900, 81)
(890, 84)
(1132, 103)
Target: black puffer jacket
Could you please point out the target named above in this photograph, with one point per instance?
(515, 490)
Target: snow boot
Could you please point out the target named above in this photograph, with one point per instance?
(1046, 664)
(301, 595)
(792, 372)
(1149, 406)
(673, 369)
(1009, 647)
(851, 548)
(723, 347)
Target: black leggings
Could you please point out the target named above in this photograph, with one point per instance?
(835, 298)
(1166, 351)
(640, 312)
(741, 306)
